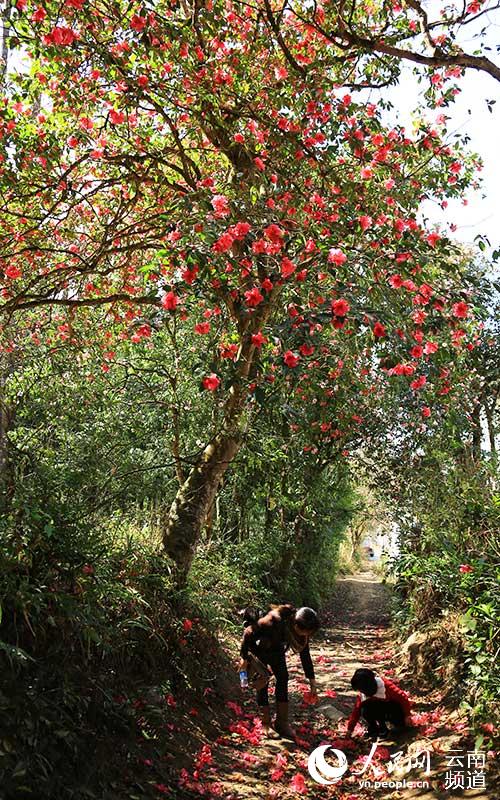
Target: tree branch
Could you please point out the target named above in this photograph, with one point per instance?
(461, 59)
(22, 304)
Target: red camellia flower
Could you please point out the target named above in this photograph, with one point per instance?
(379, 330)
(223, 243)
(396, 281)
(291, 359)
(258, 339)
(211, 382)
(298, 784)
(202, 328)
(465, 568)
(138, 23)
(403, 369)
(170, 301)
(253, 297)
(430, 347)
(116, 117)
(229, 350)
(488, 727)
(220, 204)
(187, 624)
(340, 307)
(432, 239)
(144, 331)
(460, 310)
(287, 267)
(63, 35)
(189, 275)
(39, 14)
(241, 229)
(274, 233)
(418, 383)
(426, 412)
(12, 271)
(336, 256)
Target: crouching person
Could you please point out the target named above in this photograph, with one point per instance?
(379, 702)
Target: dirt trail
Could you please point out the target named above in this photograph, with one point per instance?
(241, 764)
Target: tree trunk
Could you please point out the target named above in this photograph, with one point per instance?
(4, 426)
(489, 414)
(476, 433)
(292, 547)
(188, 512)
(6, 11)
(356, 534)
(193, 501)
(6, 420)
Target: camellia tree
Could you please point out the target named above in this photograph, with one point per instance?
(202, 168)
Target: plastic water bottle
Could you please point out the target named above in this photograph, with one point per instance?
(244, 679)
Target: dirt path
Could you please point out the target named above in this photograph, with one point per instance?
(241, 764)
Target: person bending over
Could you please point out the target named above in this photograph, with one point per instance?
(379, 701)
(268, 638)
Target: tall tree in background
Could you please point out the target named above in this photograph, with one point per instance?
(199, 168)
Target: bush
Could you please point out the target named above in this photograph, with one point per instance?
(456, 579)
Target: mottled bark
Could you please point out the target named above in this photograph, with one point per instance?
(194, 500)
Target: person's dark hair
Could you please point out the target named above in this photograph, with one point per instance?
(285, 610)
(364, 681)
(248, 614)
(306, 619)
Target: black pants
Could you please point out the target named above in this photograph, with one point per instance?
(377, 713)
(277, 661)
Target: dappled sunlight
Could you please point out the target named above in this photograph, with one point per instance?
(245, 760)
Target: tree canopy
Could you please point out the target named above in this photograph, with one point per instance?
(206, 171)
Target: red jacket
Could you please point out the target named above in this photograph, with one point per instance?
(392, 692)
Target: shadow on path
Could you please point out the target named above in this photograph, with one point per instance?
(355, 632)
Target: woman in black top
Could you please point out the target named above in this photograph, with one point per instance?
(268, 638)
